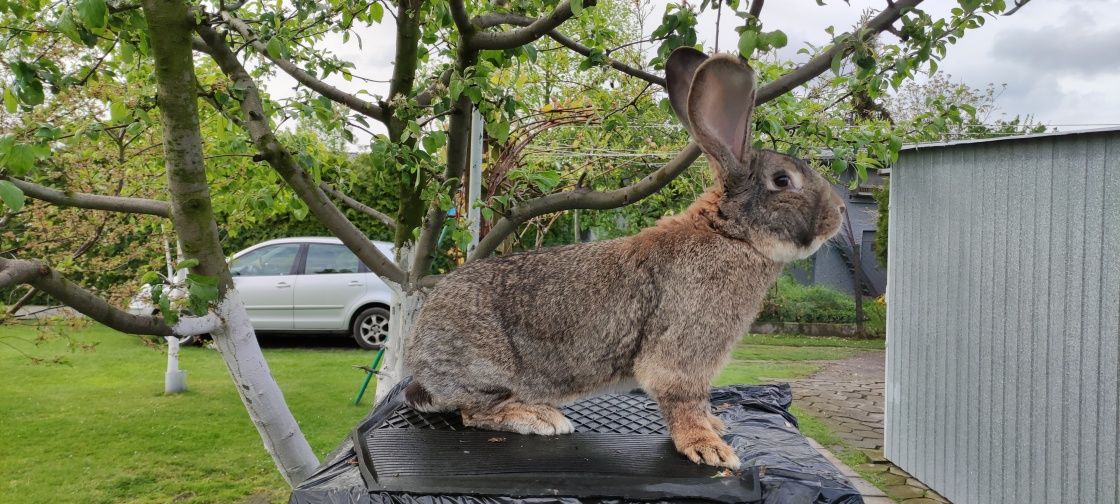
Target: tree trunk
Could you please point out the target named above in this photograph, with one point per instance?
(403, 311)
(402, 316)
(191, 212)
(260, 393)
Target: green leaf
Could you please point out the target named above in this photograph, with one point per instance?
(21, 158)
(577, 7)
(748, 41)
(499, 130)
(118, 112)
(201, 290)
(837, 60)
(10, 101)
(169, 316)
(777, 39)
(187, 264)
(545, 181)
(68, 27)
(93, 13)
(376, 11)
(29, 88)
(274, 48)
(11, 195)
(150, 278)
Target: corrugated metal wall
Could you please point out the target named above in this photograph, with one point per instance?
(1004, 319)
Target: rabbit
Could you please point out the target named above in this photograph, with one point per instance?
(507, 339)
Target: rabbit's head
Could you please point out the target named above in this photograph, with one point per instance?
(778, 203)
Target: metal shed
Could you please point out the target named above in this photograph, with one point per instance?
(1003, 317)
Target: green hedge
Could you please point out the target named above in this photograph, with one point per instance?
(790, 301)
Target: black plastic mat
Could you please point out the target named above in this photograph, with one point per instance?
(399, 455)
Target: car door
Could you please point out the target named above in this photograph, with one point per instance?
(331, 283)
(265, 278)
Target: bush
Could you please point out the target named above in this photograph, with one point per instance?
(789, 301)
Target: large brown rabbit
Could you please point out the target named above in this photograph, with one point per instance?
(505, 340)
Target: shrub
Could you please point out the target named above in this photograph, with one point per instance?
(790, 301)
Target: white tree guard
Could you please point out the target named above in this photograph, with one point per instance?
(174, 380)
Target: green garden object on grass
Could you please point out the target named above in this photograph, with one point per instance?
(370, 371)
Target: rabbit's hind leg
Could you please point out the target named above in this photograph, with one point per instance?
(541, 419)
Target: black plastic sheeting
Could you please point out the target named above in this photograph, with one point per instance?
(760, 429)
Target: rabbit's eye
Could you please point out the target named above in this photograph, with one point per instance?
(782, 181)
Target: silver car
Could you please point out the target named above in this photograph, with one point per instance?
(308, 284)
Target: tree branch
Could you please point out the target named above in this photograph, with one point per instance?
(92, 201)
(424, 98)
(359, 105)
(527, 34)
(358, 205)
(408, 43)
(585, 199)
(43, 278)
(461, 18)
(756, 8)
(1018, 5)
(821, 62)
(458, 141)
(260, 131)
(497, 19)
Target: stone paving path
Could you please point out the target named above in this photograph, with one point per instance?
(847, 396)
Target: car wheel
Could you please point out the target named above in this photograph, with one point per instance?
(371, 327)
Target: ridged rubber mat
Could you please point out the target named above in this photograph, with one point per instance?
(612, 413)
(620, 449)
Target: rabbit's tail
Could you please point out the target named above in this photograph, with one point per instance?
(418, 398)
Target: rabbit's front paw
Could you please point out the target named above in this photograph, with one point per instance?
(711, 451)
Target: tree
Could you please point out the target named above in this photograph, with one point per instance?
(968, 112)
(450, 59)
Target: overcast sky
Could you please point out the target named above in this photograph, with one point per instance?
(1060, 59)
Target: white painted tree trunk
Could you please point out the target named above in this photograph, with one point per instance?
(174, 380)
(402, 316)
(403, 310)
(260, 393)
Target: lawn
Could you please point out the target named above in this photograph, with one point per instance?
(89, 423)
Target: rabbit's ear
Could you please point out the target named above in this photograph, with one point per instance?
(720, 104)
(679, 70)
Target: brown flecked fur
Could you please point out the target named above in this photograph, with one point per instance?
(507, 339)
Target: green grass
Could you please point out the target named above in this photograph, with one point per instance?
(763, 372)
(851, 457)
(796, 340)
(791, 353)
(100, 429)
(94, 426)
(810, 426)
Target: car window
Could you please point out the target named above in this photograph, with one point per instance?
(325, 259)
(267, 261)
